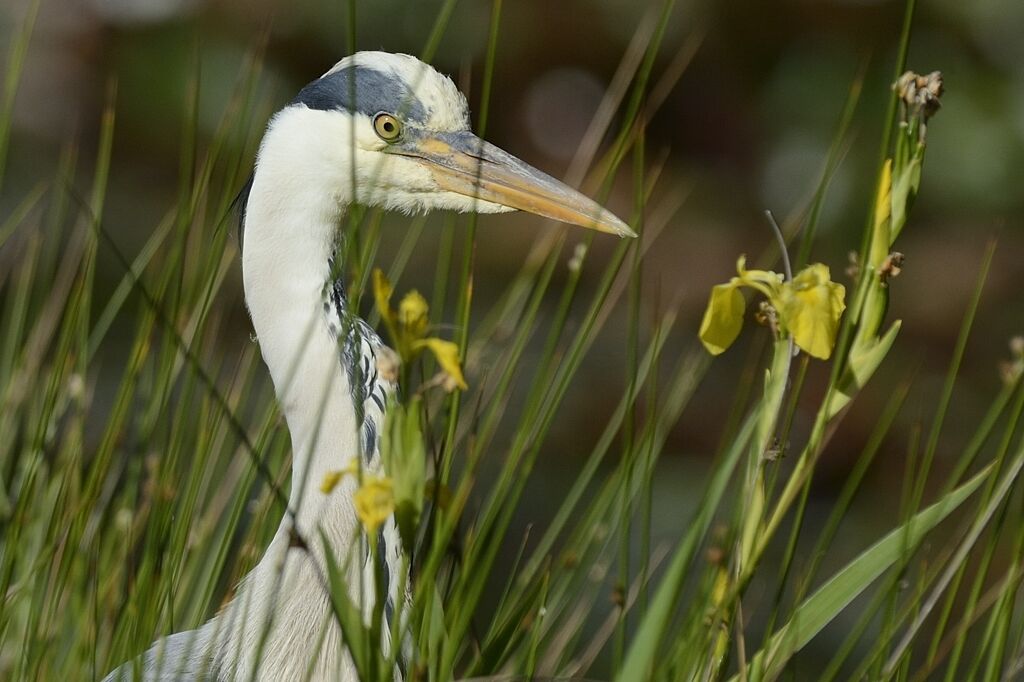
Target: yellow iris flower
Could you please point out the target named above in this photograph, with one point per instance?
(808, 307)
(374, 501)
(408, 326)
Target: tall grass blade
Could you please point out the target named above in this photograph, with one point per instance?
(829, 600)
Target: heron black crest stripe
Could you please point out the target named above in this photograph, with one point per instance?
(355, 89)
(363, 90)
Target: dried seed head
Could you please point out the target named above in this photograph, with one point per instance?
(619, 595)
(892, 266)
(767, 316)
(123, 519)
(905, 87)
(578, 254)
(388, 364)
(853, 265)
(76, 386)
(920, 94)
(774, 452)
(1010, 371)
(1017, 346)
(448, 382)
(930, 91)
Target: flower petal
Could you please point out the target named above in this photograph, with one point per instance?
(374, 502)
(765, 281)
(333, 477)
(881, 237)
(883, 202)
(723, 318)
(330, 480)
(811, 306)
(382, 291)
(763, 276)
(447, 354)
(412, 313)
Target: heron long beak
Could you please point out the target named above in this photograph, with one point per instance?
(463, 163)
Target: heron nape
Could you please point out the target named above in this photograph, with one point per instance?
(378, 129)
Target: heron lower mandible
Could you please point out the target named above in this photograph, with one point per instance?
(382, 130)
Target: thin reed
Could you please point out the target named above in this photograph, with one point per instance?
(145, 465)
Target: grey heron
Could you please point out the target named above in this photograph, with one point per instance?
(377, 129)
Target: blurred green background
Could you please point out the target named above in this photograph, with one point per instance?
(747, 127)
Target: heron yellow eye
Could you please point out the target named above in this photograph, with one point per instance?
(387, 127)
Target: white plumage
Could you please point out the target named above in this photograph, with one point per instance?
(321, 153)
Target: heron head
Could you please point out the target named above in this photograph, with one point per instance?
(388, 130)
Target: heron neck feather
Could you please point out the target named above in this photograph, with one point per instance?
(290, 229)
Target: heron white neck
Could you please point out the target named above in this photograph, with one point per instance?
(285, 269)
(291, 221)
(290, 225)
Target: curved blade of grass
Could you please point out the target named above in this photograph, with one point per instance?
(641, 654)
(13, 72)
(824, 605)
(347, 614)
(978, 527)
(21, 211)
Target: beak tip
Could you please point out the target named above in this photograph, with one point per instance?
(620, 228)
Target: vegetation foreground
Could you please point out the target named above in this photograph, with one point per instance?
(144, 463)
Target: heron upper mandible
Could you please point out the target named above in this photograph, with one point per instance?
(378, 129)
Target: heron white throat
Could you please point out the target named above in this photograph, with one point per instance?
(378, 129)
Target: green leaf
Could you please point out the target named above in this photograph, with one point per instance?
(863, 363)
(823, 606)
(404, 457)
(904, 189)
(436, 635)
(723, 318)
(353, 630)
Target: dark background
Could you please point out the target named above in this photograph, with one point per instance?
(746, 128)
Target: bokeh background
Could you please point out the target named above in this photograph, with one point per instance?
(747, 127)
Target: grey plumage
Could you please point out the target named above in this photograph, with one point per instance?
(364, 90)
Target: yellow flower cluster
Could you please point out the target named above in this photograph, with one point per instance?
(374, 499)
(808, 308)
(407, 328)
(374, 502)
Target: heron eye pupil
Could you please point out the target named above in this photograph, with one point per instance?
(388, 127)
